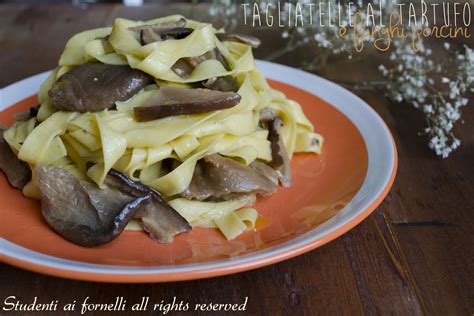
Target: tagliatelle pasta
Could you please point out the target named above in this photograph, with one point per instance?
(113, 138)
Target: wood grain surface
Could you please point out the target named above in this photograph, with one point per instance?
(413, 255)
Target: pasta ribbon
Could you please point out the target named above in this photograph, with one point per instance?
(113, 138)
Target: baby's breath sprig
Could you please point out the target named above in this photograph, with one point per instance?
(438, 90)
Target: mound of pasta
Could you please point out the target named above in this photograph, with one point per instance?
(162, 125)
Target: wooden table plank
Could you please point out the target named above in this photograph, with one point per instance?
(433, 222)
(382, 266)
(431, 207)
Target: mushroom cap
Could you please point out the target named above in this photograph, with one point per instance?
(81, 212)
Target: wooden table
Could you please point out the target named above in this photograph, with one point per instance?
(413, 255)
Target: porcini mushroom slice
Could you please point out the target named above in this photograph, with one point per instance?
(182, 67)
(220, 177)
(27, 115)
(18, 172)
(148, 35)
(245, 39)
(224, 84)
(177, 33)
(81, 212)
(159, 219)
(172, 101)
(265, 170)
(186, 65)
(280, 160)
(267, 115)
(160, 27)
(94, 86)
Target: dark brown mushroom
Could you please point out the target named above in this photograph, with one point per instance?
(182, 67)
(27, 115)
(81, 212)
(94, 86)
(224, 84)
(280, 159)
(186, 65)
(147, 36)
(267, 115)
(159, 219)
(222, 59)
(177, 33)
(265, 170)
(150, 33)
(245, 39)
(172, 101)
(222, 178)
(18, 172)
(160, 27)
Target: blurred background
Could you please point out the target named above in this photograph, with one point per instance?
(424, 79)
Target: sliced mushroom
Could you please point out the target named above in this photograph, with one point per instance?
(267, 115)
(147, 36)
(177, 33)
(18, 172)
(119, 181)
(94, 86)
(150, 33)
(182, 67)
(218, 56)
(160, 27)
(27, 115)
(172, 101)
(245, 39)
(265, 170)
(81, 212)
(220, 178)
(186, 65)
(159, 219)
(224, 84)
(280, 160)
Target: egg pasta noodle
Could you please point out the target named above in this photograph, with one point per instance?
(115, 139)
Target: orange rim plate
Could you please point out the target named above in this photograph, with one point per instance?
(331, 194)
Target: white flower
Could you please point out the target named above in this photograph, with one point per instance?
(410, 79)
(428, 108)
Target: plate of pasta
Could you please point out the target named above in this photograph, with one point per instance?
(162, 151)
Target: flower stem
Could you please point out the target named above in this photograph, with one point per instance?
(368, 85)
(280, 52)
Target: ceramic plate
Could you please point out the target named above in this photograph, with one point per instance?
(331, 194)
